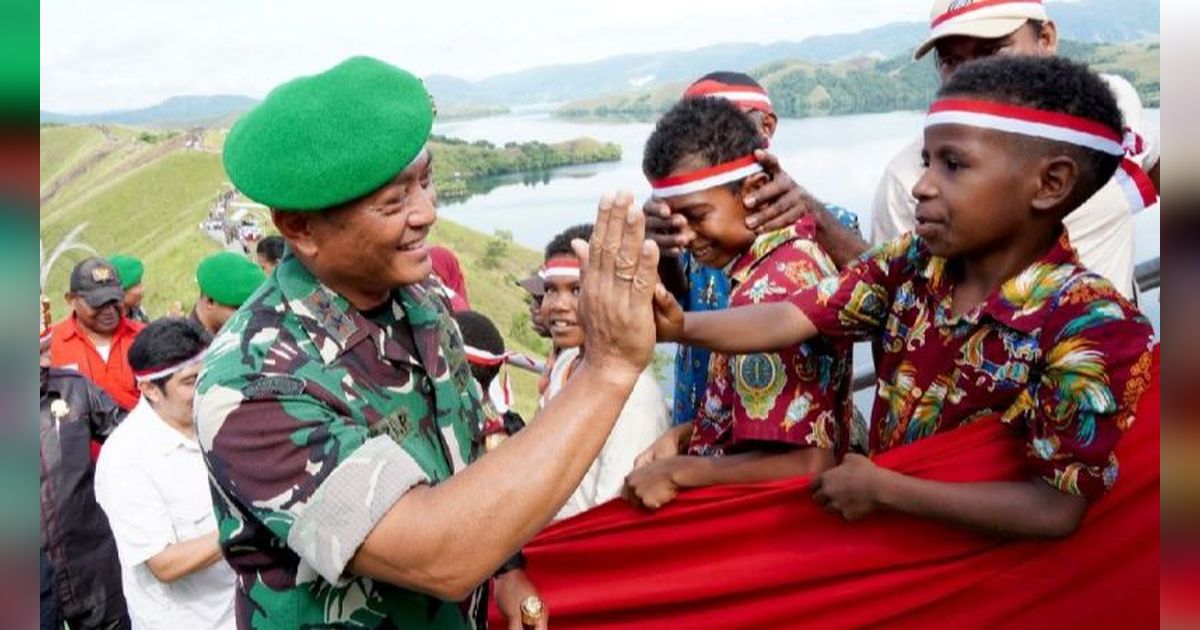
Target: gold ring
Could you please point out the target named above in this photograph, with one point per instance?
(626, 277)
(532, 610)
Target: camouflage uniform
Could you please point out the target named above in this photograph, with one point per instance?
(314, 419)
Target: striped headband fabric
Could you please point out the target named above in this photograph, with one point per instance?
(705, 178)
(1029, 121)
(744, 96)
(560, 267)
(983, 10)
(154, 374)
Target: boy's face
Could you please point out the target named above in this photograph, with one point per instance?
(716, 231)
(560, 310)
(976, 193)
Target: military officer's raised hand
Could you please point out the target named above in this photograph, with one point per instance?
(620, 272)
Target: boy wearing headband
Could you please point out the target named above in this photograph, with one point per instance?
(764, 416)
(153, 485)
(985, 311)
(644, 416)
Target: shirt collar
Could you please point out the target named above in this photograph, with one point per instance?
(741, 267)
(72, 329)
(155, 431)
(1021, 301)
(335, 326)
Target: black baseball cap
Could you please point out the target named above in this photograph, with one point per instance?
(96, 281)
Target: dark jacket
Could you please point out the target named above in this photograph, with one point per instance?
(75, 532)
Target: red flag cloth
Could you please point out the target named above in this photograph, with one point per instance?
(766, 556)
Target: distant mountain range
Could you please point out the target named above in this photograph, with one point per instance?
(1109, 21)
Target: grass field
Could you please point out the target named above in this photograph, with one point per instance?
(147, 196)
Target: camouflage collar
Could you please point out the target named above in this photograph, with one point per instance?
(334, 326)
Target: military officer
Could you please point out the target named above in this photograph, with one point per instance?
(336, 410)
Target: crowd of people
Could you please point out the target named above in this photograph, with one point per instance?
(328, 439)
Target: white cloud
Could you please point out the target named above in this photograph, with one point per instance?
(131, 53)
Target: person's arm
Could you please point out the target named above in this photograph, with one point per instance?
(1004, 508)
(781, 202)
(445, 540)
(184, 558)
(655, 485)
(104, 414)
(741, 330)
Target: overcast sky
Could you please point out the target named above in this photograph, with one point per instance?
(116, 54)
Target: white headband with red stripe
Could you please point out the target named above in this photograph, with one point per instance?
(1028, 121)
(705, 178)
(156, 373)
(987, 9)
(744, 96)
(560, 267)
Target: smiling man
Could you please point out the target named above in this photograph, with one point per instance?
(95, 339)
(336, 409)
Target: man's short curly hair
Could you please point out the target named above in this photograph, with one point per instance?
(713, 129)
(1051, 84)
(561, 243)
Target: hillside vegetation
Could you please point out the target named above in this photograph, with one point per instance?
(145, 194)
(800, 89)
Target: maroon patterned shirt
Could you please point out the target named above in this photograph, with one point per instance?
(1056, 351)
(799, 396)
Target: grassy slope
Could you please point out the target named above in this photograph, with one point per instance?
(147, 199)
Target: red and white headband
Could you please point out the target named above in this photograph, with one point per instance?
(984, 10)
(1028, 121)
(154, 374)
(705, 178)
(560, 267)
(744, 96)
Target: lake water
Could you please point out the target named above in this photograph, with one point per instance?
(839, 159)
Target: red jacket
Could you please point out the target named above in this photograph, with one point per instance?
(71, 348)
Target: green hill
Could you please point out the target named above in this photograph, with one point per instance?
(146, 194)
(803, 88)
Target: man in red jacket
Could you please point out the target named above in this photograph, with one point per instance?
(94, 340)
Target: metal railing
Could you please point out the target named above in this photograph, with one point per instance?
(1145, 274)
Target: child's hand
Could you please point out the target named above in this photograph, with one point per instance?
(667, 445)
(848, 489)
(664, 228)
(652, 486)
(668, 315)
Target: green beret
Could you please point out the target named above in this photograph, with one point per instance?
(228, 278)
(129, 270)
(320, 141)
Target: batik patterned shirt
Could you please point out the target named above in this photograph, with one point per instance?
(314, 418)
(708, 290)
(799, 396)
(1055, 351)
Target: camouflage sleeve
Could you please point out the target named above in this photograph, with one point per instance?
(319, 480)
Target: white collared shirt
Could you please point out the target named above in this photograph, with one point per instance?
(152, 483)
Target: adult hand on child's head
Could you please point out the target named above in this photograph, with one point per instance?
(652, 487)
(780, 202)
(848, 489)
(664, 228)
(620, 272)
(668, 315)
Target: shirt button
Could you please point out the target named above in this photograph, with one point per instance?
(425, 386)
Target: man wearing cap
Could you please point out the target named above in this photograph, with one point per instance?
(226, 280)
(95, 338)
(1101, 229)
(131, 270)
(81, 577)
(336, 410)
